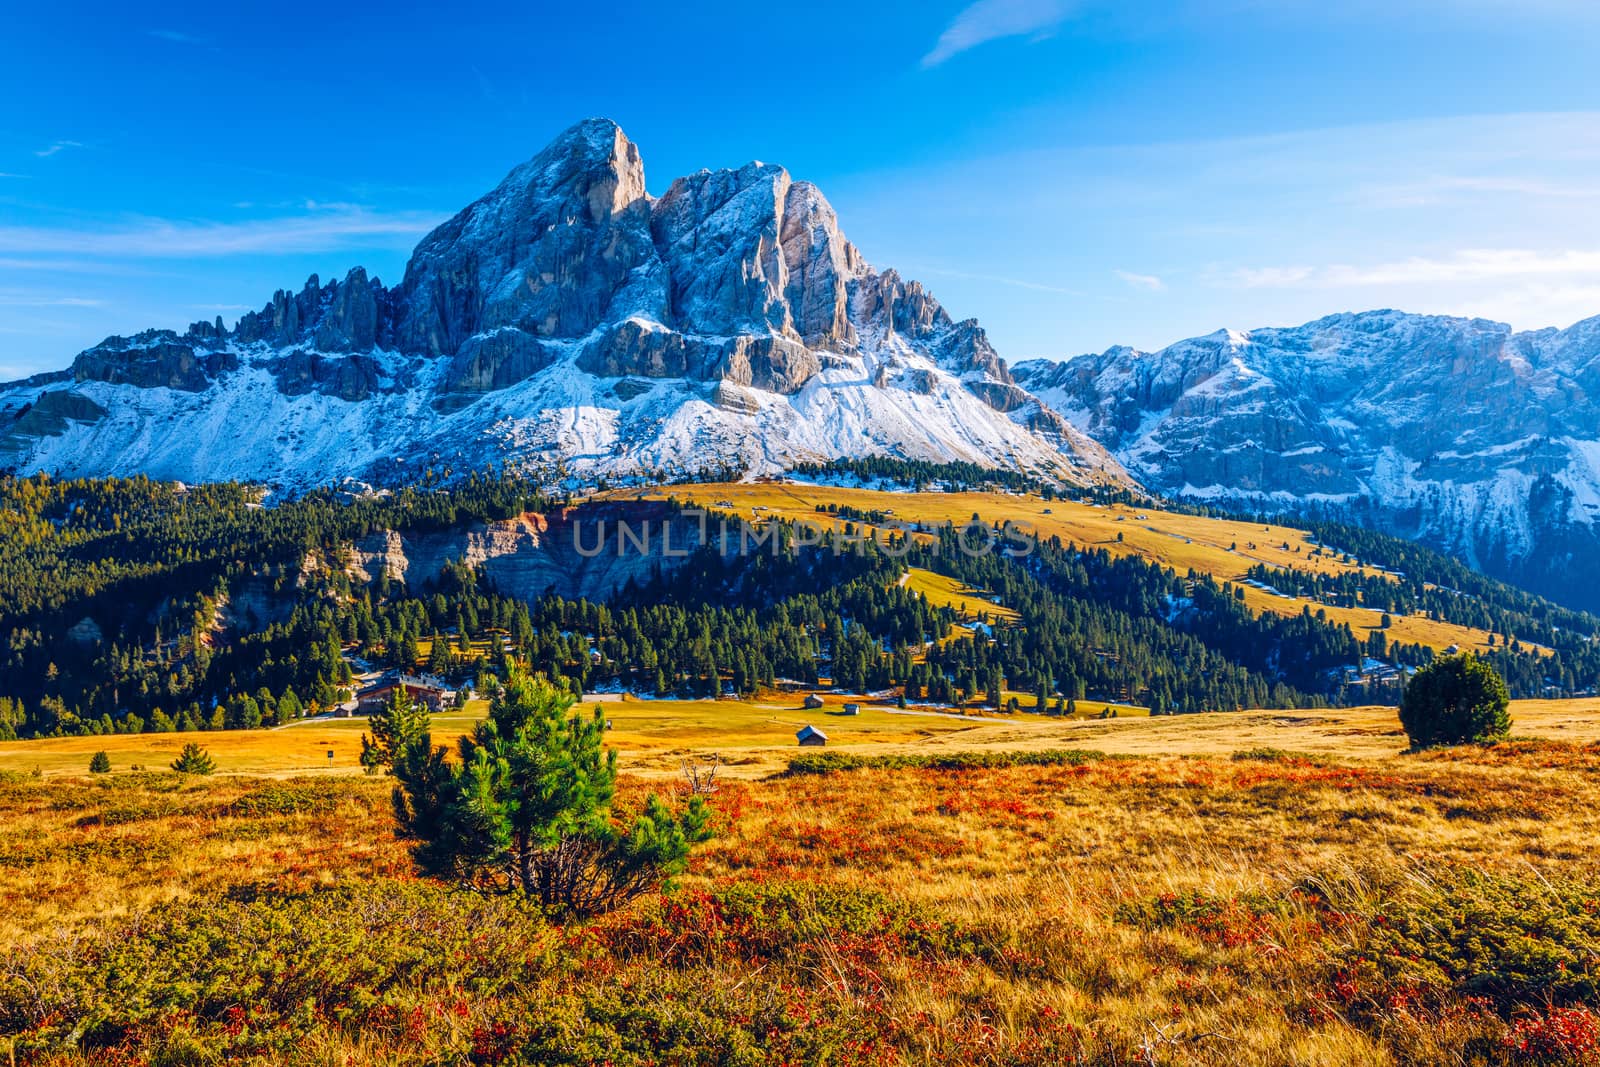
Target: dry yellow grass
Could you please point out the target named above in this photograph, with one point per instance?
(1086, 709)
(1045, 873)
(756, 738)
(969, 603)
(1218, 547)
(301, 748)
(652, 736)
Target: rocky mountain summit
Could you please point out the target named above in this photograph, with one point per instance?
(1459, 432)
(571, 322)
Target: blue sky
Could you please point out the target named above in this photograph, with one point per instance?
(1072, 174)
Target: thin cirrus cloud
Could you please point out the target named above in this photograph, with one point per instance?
(12, 298)
(994, 20)
(1447, 189)
(168, 239)
(1148, 282)
(69, 266)
(1470, 265)
(55, 147)
(998, 279)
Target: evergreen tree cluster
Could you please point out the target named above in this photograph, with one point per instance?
(125, 603)
(136, 606)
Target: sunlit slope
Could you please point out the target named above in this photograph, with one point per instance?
(1223, 548)
(942, 591)
(756, 738)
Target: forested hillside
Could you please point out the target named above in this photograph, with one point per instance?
(113, 594)
(132, 605)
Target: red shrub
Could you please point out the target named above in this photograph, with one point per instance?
(1565, 1037)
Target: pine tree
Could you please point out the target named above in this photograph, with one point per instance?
(993, 692)
(194, 760)
(400, 723)
(526, 808)
(438, 654)
(243, 714)
(11, 717)
(100, 763)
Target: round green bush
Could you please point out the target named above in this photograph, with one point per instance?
(1455, 701)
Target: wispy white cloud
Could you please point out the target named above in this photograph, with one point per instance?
(58, 146)
(993, 20)
(169, 239)
(998, 279)
(332, 205)
(67, 266)
(1534, 305)
(1524, 287)
(177, 37)
(19, 298)
(1444, 189)
(1467, 265)
(1269, 277)
(1149, 282)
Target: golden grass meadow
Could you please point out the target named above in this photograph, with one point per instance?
(1255, 888)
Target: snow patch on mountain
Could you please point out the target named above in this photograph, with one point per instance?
(1460, 432)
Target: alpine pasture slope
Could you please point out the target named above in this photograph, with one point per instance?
(1223, 548)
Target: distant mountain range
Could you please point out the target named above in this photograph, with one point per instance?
(570, 322)
(1457, 432)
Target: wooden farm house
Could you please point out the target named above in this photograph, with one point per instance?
(423, 691)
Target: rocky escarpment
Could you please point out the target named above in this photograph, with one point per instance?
(1460, 432)
(159, 358)
(568, 319)
(349, 316)
(576, 553)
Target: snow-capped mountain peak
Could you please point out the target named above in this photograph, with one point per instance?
(566, 320)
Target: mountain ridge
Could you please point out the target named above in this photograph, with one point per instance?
(1459, 432)
(570, 322)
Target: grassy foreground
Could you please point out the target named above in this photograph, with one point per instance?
(1222, 906)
